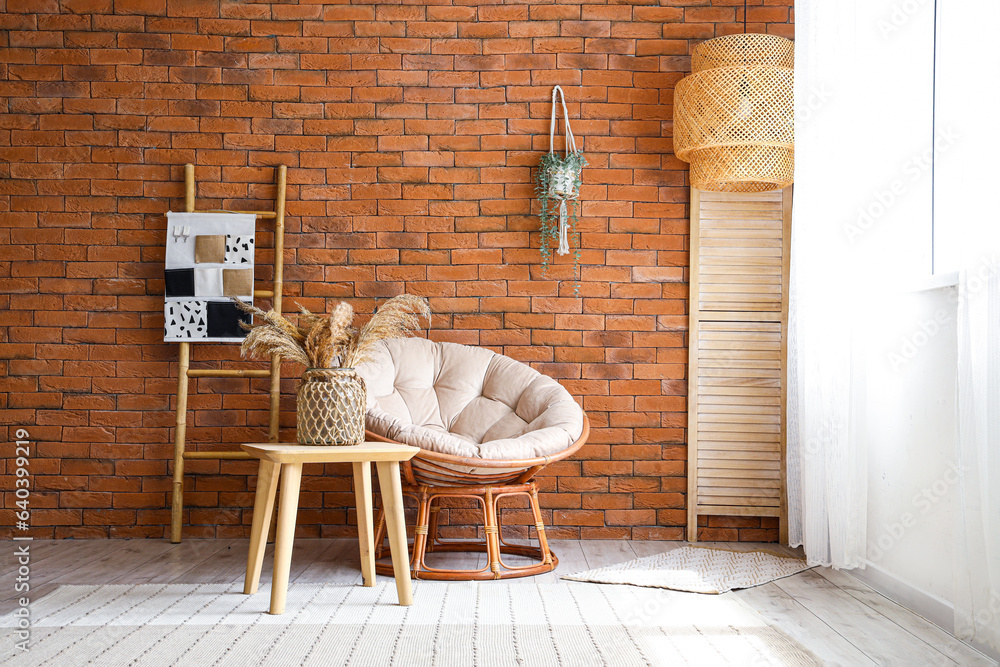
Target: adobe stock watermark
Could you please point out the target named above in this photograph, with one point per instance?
(923, 333)
(900, 15)
(823, 436)
(968, 625)
(814, 100)
(22, 543)
(912, 343)
(976, 280)
(923, 502)
(911, 171)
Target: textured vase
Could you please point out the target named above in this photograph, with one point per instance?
(331, 407)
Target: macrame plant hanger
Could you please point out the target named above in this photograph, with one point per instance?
(563, 184)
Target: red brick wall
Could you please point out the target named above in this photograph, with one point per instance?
(409, 132)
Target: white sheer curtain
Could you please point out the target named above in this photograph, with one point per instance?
(967, 237)
(859, 95)
(977, 580)
(867, 121)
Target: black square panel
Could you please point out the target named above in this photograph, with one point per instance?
(224, 320)
(179, 282)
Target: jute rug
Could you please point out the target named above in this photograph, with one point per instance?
(698, 570)
(466, 624)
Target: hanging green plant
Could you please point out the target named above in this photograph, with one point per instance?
(557, 187)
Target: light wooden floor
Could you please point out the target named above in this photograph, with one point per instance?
(836, 617)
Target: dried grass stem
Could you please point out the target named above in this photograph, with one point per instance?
(318, 341)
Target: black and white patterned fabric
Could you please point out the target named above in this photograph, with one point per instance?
(239, 249)
(197, 306)
(185, 320)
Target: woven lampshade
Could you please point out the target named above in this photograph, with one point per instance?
(734, 115)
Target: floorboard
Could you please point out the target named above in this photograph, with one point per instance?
(223, 567)
(455, 560)
(906, 619)
(341, 564)
(571, 560)
(877, 636)
(65, 556)
(131, 555)
(338, 562)
(181, 558)
(784, 612)
(653, 548)
(606, 552)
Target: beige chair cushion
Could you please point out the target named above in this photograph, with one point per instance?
(467, 401)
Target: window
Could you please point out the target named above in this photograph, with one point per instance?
(966, 155)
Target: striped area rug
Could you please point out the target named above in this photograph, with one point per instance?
(463, 624)
(697, 570)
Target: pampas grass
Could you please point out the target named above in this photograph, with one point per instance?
(397, 318)
(319, 341)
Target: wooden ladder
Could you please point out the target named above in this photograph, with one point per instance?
(184, 372)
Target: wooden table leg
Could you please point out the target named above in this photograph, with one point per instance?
(267, 484)
(272, 530)
(392, 500)
(366, 538)
(288, 507)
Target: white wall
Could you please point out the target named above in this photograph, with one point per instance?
(912, 452)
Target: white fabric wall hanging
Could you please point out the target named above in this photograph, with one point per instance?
(209, 258)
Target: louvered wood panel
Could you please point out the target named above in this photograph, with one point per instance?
(737, 346)
(740, 252)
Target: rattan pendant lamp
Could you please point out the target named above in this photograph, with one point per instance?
(733, 116)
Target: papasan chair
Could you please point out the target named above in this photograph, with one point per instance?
(485, 425)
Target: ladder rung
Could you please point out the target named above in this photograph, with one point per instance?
(259, 214)
(217, 455)
(227, 373)
(263, 293)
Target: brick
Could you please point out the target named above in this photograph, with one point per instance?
(638, 517)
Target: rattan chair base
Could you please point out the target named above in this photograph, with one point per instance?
(438, 475)
(485, 574)
(427, 541)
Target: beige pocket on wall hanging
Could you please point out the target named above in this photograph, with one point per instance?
(237, 282)
(210, 249)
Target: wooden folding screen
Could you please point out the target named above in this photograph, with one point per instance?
(737, 355)
(184, 372)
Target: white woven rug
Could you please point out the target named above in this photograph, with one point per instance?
(698, 570)
(466, 624)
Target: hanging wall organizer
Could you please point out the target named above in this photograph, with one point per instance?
(209, 259)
